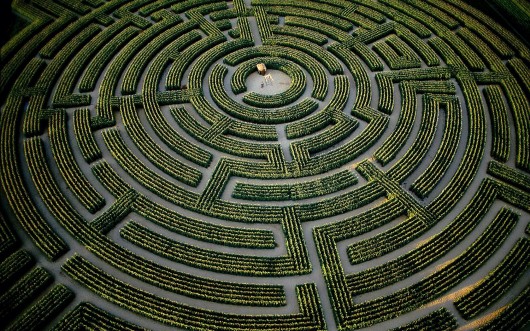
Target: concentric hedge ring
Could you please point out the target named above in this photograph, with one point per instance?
(255, 113)
(144, 187)
(294, 91)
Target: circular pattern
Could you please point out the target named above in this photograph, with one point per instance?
(280, 83)
(143, 186)
(293, 92)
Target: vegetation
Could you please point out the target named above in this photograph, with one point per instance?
(140, 172)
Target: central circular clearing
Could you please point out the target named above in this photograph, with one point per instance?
(257, 83)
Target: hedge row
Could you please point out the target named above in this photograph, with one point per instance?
(497, 282)
(298, 191)
(181, 315)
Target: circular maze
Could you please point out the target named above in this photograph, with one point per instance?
(144, 187)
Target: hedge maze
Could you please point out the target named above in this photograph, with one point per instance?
(147, 184)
